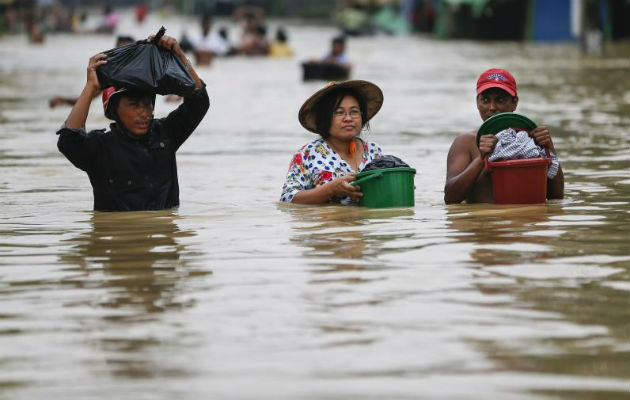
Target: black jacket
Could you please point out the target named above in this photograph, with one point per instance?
(130, 172)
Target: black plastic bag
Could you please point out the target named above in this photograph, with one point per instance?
(146, 67)
(385, 162)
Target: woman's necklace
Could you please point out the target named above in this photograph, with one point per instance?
(350, 153)
(352, 149)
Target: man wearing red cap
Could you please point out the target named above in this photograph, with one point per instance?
(132, 166)
(466, 178)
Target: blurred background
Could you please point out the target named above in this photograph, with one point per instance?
(536, 20)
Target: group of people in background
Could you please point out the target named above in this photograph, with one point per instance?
(212, 43)
(206, 43)
(38, 21)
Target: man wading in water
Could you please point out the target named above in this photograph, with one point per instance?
(132, 166)
(466, 178)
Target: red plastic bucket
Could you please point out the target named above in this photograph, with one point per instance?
(519, 181)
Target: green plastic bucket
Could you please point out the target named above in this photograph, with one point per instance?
(387, 187)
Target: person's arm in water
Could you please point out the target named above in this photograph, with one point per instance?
(555, 186)
(57, 100)
(463, 170)
(182, 121)
(78, 115)
(321, 194)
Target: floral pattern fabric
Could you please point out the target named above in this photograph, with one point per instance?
(317, 163)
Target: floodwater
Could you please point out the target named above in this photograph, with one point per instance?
(234, 296)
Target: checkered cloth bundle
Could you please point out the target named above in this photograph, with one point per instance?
(513, 145)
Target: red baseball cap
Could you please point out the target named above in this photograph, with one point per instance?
(108, 93)
(111, 92)
(498, 78)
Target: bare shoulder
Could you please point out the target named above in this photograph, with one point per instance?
(465, 141)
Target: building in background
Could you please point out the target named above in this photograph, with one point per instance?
(536, 20)
(588, 21)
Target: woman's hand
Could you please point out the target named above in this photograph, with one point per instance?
(542, 137)
(168, 43)
(486, 144)
(323, 193)
(342, 187)
(92, 79)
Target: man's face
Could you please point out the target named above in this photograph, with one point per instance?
(494, 101)
(136, 113)
(338, 48)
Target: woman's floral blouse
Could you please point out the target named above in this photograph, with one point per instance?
(317, 163)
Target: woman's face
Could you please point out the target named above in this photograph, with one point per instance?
(346, 120)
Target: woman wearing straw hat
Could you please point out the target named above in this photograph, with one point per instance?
(321, 171)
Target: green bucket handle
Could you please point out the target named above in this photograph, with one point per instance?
(367, 178)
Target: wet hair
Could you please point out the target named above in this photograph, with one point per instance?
(206, 18)
(325, 108)
(281, 35)
(122, 40)
(339, 39)
(223, 32)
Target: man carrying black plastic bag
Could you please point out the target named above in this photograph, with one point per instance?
(132, 166)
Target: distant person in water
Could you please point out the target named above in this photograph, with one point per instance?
(132, 166)
(211, 41)
(33, 26)
(280, 47)
(254, 41)
(337, 53)
(57, 100)
(249, 12)
(110, 20)
(466, 178)
(141, 11)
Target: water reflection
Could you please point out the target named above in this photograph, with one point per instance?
(350, 236)
(556, 325)
(138, 267)
(136, 256)
(504, 234)
(341, 247)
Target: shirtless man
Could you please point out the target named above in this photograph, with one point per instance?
(466, 178)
